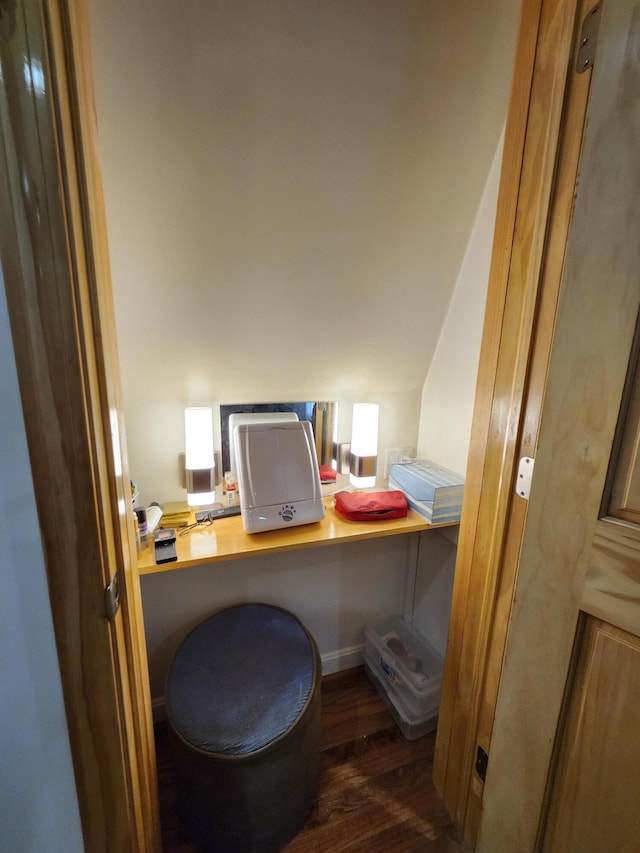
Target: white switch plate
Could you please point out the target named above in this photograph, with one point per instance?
(393, 455)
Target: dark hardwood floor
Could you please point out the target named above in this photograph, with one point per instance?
(376, 793)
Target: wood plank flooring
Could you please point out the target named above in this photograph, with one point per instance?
(376, 793)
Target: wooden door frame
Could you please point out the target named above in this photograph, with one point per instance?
(54, 254)
(542, 146)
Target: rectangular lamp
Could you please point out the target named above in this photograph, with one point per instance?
(364, 445)
(199, 459)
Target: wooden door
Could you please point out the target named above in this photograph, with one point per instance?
(564, 764)
(54, 260)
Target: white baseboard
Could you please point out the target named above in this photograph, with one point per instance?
(332, 662)
(341, 659)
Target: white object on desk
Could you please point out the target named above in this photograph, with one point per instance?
(154, 514)
(278, 475)
(236, 419)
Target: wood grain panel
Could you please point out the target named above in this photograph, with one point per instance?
(612, 585)
(595, 801)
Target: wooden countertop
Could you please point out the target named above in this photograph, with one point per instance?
(225, 539)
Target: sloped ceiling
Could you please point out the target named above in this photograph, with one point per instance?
(290, 186)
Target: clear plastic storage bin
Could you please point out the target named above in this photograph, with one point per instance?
(407, 664)
(412, 727)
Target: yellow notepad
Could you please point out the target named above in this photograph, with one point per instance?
(175, 507)
(175, 514)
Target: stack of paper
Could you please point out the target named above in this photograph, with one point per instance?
(431, 490)
(175, 514)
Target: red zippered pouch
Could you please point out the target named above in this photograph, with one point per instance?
(371, 506)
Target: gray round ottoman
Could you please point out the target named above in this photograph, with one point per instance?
(243, 705)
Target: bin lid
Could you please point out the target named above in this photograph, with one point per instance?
(240, 679)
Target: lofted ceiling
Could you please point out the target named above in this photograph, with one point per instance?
(290, 186)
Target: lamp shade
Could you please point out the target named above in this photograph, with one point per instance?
(364, 445)
(199, 459)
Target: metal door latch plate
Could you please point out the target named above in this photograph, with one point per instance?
(523, 480)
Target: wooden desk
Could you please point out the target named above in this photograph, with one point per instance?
(226, 540)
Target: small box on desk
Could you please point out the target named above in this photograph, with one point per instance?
(431, 490)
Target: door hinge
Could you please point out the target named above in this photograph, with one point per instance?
(588, 39)
(523, 480)
(482, 759)
(112, 598)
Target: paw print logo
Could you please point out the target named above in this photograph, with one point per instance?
(287, 512)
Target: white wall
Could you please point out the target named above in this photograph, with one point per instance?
(449, 390)
(433, 590)
(290, 187)
(38, 802)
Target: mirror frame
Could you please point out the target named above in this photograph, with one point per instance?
(323, 416)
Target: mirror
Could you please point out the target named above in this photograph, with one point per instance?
(322, 415)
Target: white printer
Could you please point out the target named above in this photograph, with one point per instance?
(278, 476)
